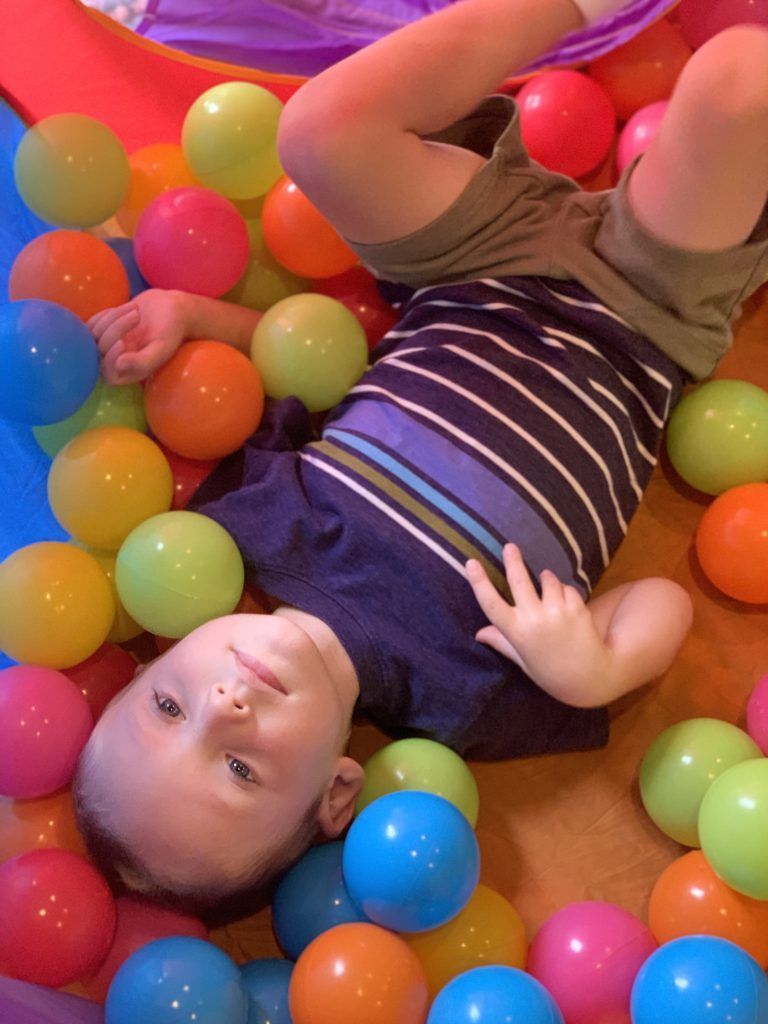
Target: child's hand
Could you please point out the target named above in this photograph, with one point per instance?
(139, 337)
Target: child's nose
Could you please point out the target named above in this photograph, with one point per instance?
(232, 700)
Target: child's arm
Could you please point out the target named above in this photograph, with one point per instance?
(586, 655)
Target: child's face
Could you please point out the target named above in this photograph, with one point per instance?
(202, 763)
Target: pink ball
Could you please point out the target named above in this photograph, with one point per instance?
(639, 132)
(757, 715)
(45, 723)
(568, 121)
(192, 239)
(701, 19)
(588, 956)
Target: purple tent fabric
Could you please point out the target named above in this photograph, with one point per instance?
(21, 1003)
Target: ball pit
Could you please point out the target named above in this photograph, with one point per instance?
(486, 995)
(155, 169)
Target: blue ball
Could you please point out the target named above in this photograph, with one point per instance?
(267, 982)
(312, 898)
(699, 980)
(177, 981)
(123, 249)
(49, 362)
(494, 995)
(411, 861)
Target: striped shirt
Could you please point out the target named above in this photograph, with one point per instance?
(518, 409)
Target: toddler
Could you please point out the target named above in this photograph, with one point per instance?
(431, 555)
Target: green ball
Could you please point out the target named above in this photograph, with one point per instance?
(176, 571)
(680, 766)
(734, 828)
(423, 765)
(310, 346)
(717, 437)
(106, 406)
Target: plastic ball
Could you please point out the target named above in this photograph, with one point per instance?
(490, 995)
(299, 237)
(424, 765)
(49, 362)
(699, 980)
(732, 543)
(700, 21)
(639, 132)
(265, 281)
(689, 899)
(733, 824)
(411, 861)
(487, 931)
(312, 898)
(567, 121)
(124, 627)
(354, 973)
(58, 917)
(175, 979)
(193, 240)
(39, 824)
(230, 139)
(178, 570)
(72, 171)
(312, 347)
(106, 406)
(267, 983)
(206, 400)
(356, 289)
(188, 475)
(757, 714)
(105, 482)
(102, 676)
(155, 169)
(680, 766)
(123, 249)
(56, 605)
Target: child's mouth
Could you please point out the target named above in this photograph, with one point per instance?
(259, 670)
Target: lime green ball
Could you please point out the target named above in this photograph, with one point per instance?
(106, 406)
(680, 766)
(717, 437)
(310, 346)
(733, 825)
(176, 571)
(423, 765)
(265, 281)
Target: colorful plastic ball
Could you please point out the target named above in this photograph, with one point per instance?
(700, 21)
(494, 994)
(106, 406)
(354, 973)
(265, 281)
(178, 570)
(689, 899)
(49, 362)
(58, 917)
(411, 861)
(680, 766)
(230, 139)
(72, 171)
(639, 132)
(193, 240)
(124, 627)
(757, 714)
(56, 605)
(123, 249)
(733, 824)
(39, 824)
(267, 983)
(177, 979)
(732, 543)
(699, 980)
(356, 289)
(188, 475)
(138, 923)
(155, 169)
(311, 898)
(206, 400)
(424, 765)
(312, 347)
(567, 120)
(102, 676)
(588, 955)
(487, 931)
(300, 237)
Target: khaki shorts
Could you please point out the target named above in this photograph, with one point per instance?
(517, 218)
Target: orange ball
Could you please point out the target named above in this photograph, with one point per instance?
(37, 824)
(732, 543)
(154, 169)
(206, 401)
(358, 972)
(75, 270)
(643, 70)
(689, 899)
(299, 237)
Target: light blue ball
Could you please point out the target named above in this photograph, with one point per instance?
(312, 898)
(494, 995)
(267, 982)
(177, 981)
(411, 861)
(700, 979)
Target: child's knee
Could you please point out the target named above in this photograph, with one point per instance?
(733, 68)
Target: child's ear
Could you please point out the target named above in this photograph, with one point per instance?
(338, 803)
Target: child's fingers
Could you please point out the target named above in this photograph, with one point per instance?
(99, 321)
(491, 636)
(134, 366)
(551, 588)
(518, 577)
(119, 326)
(494, 606)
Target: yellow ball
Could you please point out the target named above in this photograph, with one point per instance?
(124, 627)
(56, 605)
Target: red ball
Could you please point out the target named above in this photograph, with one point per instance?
(187, 474)
(58, 917)
(356, 289)
(102, 675)
(568, 122)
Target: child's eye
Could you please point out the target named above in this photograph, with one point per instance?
(167, 706)
(241, 769)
